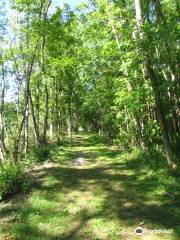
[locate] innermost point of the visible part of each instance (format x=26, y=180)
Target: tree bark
x=2, y=144
x=46, y=94
x=46, y=114
x=36, y=132
x=155, y=86
x=24, y=117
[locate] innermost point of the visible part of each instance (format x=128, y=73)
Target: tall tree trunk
x=155, y=86
x=46, y=94
x=26, y=105
x=1, y=134
x=46, y=114
x=2, y=144
x=26, y=117
x=173, y=68
x=57, y=107
x=70, y=120
x=112, y=25
x=36, y=132
x=37, y=105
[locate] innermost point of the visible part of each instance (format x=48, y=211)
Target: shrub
x=63, y=142
x=13, y=179
x=42, y=153
x=37, y=155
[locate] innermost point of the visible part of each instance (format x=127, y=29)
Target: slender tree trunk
x=25, y=112
x=57, y=114
x=51, y=131
x=17, y=142
x=112, y=25
x=70, y=122
x=46, y=94
x=46, y=114
x=37, y=106
x=1, y=136
x=26, y=119
x=159, y=111
x=36, y=132
x=2, y=144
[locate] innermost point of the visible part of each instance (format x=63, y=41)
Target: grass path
x=90, y=192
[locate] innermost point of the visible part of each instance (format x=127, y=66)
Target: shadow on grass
x=129, y=196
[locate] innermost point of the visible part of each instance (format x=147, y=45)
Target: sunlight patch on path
x=80, y=160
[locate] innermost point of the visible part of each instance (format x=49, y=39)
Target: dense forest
x=105, y=69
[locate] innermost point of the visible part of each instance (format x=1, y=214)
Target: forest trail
x=89, y=192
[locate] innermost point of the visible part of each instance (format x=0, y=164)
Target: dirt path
x=88, y=192
x=80, y=159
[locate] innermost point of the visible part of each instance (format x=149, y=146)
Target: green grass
x=106, y=198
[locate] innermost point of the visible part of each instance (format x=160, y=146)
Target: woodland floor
x=89, y=191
